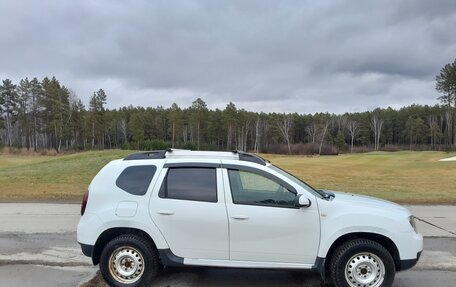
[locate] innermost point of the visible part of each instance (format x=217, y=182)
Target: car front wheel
x=129, y=260
x=362, y=263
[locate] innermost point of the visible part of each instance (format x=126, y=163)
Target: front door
x=264, y=223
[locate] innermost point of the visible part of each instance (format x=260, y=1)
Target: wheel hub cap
x=365, y=270
x=126, y=264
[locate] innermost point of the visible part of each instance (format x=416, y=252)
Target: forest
x=43, y=114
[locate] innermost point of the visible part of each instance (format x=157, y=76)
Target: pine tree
x=56, y=112
x=24, y=98
x=8, y=106
x=230, y=116
x=97, y=114
x=175, y=118
x=199, y=114
x=35, y=108
x=446, y=84
x=136, y=127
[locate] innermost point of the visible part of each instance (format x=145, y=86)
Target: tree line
x=44, y=114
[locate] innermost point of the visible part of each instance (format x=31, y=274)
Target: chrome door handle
x=240, y=217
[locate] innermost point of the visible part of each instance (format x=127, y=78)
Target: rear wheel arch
x=114, y=232
x=386, y=242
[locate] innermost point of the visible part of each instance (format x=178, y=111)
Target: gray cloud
x=297, y=56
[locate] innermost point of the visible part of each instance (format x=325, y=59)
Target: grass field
x=48, y=178
x=403, y=177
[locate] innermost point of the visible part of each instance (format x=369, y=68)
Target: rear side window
x=198, y=184
x=136, y=179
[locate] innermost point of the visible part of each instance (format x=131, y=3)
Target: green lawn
x=48, y=178
x=404, y=177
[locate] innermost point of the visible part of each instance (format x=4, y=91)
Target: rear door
x=189, y=209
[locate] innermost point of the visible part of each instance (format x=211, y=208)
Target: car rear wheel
x=129, y=260
x=362, y=263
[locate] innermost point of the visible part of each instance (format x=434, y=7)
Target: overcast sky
x=283, y=56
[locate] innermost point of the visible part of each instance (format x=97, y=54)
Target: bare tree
x=449, y=122
x=376, y=126
x=185, y=134
x=123, y=130
x=257, y=135
x=325, y=129
x=353, y=129
x=312, y=131
x=285, y=126
x=243, y=135
x=341, y=122
x=433, y=129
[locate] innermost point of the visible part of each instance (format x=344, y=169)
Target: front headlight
x=412, y=222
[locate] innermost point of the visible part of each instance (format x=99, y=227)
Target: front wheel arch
x=381, y=239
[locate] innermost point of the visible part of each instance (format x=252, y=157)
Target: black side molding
x=169, y=259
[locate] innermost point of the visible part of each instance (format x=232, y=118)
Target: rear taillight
x=84, y=202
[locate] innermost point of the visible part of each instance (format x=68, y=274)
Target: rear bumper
x=87, y=249
x=409, y=263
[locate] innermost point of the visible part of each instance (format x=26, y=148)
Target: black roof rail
x=245, y=156
x=154, y=154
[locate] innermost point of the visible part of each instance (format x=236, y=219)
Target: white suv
x=235, y=209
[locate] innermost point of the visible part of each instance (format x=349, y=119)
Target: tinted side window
x=136, y=179
x=190, y=183
x=254, y=189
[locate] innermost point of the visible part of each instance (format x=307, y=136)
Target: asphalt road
x=38, y=248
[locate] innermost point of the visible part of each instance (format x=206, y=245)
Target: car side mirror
x=303, y=201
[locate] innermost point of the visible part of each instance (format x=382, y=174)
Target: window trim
x=163, y=191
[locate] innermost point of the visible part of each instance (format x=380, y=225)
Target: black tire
x=129, y=253
x=362, y=257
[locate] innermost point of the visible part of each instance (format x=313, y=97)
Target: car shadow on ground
x=221, y=277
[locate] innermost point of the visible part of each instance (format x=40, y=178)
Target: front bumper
x=409, y=263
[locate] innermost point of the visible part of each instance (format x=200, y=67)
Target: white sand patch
x=448, y=159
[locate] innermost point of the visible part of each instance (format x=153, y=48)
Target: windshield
x=298, y=181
